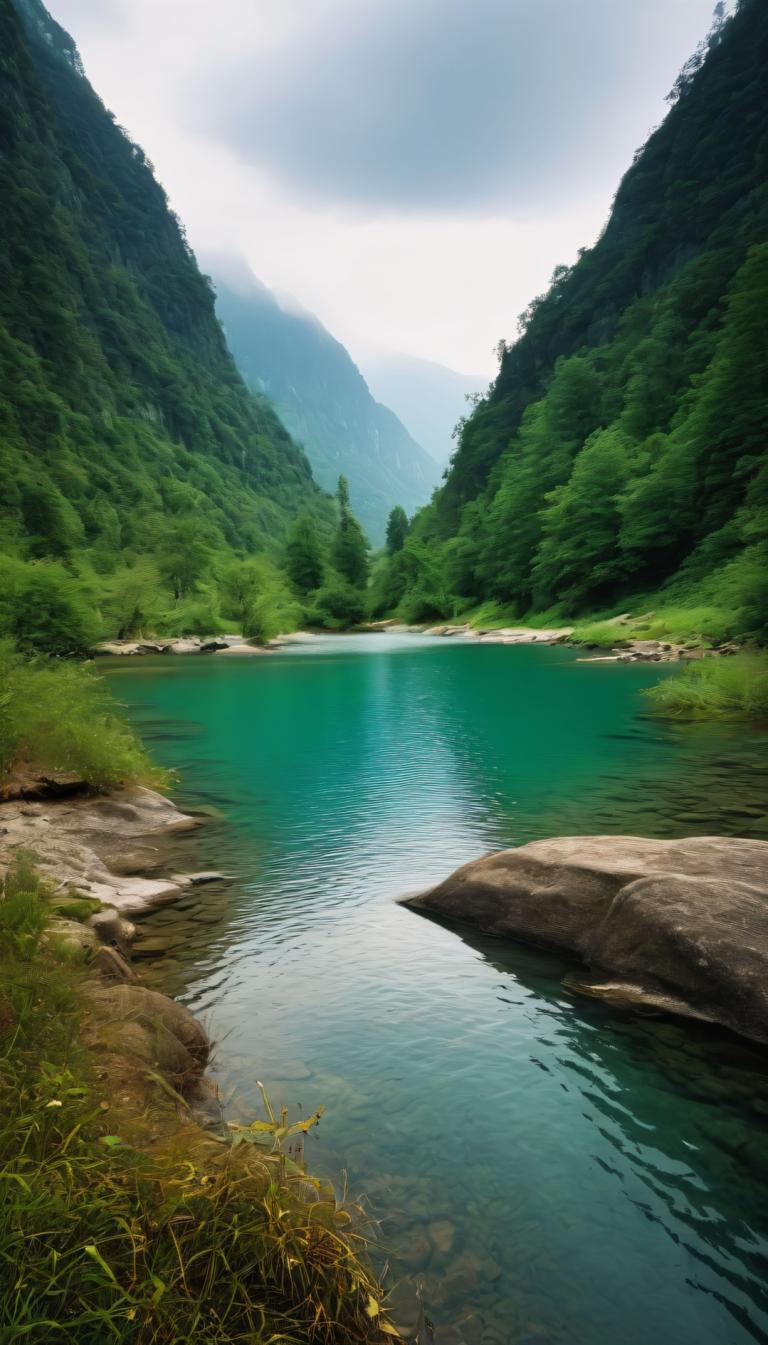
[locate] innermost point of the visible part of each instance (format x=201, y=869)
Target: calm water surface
x=552, y=1171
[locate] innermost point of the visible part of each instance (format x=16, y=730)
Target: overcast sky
x=411, y=170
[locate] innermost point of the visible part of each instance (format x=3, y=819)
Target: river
x=551, y=1170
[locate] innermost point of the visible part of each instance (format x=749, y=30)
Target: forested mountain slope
x=323, y=400
x=623, y=447
x=127, y=437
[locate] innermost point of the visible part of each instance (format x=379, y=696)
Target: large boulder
x=130, y=1020
x=678, y=922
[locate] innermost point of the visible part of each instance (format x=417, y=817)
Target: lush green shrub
x=715, y=688
x=110, y=1240
x=337, y=606
x=46, y=608
x=60, y=716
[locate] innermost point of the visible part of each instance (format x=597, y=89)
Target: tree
x=185, y=555
x=397, y=529
x=350, y=551
x=304, y=555
x=342, y=493
x=132, y=599
x=338, y=605
x=256, y=596
x=48, y=611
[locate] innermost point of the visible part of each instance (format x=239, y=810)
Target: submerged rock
x=678, y=925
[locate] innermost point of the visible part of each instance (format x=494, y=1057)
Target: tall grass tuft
x=60, y=716
x=123, y=1224
x=715, y=688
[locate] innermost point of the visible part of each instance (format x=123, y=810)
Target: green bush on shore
x=715, y=688
x=57, y=715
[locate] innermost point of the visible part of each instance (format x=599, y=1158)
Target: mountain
x=429, y=398
x=622, y=448
x=323, y=399
x=127, y=431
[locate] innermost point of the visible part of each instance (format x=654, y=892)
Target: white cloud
x=439, y=281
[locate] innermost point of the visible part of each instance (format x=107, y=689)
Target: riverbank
x=133, y=1209
x=616, y=640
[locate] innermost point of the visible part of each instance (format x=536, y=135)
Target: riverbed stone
x=442, y=1234
x=414, y=1250
x=680, y=925
x=110, y=965
x=110, y=928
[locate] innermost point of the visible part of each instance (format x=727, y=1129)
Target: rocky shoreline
x=104, y=858
x=196, y=644
x=626, y=649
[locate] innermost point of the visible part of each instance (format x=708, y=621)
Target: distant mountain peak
x=286, y=352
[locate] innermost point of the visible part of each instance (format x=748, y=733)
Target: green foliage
x=304, y=560
x=337, y=605
x=256, y=596
x=132, y=600
x=22, y=914
x=133, y=460
x=350, y=551
x=342, y=493
x=57, y=716
x=397, y=529
x=622, y=448
x=45, y=607
x=715, y=688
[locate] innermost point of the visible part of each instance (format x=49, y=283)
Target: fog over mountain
x=285, y=352
x=429, y=398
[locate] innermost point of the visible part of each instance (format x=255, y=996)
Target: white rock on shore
x=72, y=840
x=187, y=644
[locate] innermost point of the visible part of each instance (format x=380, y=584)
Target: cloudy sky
x=411, y=170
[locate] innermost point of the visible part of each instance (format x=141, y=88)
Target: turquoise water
x=552, y=1171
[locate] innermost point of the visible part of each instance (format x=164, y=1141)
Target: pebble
x=415, y=1250
x=442, y=1235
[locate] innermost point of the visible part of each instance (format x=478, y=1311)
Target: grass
x=57, y=715
x=701, y=626
x=715, y=688
x=105, y=1238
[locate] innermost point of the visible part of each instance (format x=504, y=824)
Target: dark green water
x=595, y=1178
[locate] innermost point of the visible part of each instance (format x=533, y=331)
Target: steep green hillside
x=324, y=400
x=132, y=456
x=622, y=450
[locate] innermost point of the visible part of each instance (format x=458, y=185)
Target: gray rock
x=110, y=965
x=200, y=879
x=111, y=929
x=679, y=925
x=150, y=1026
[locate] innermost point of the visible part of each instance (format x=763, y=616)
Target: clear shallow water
x=594, y=1178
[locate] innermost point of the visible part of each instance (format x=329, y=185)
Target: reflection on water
x=551, y=1170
